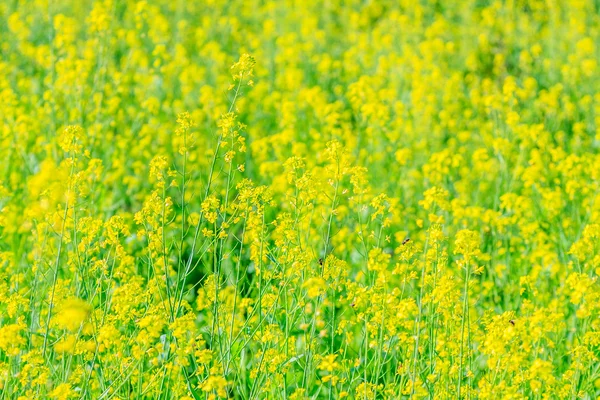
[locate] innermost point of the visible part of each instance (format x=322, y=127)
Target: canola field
x=246, y=199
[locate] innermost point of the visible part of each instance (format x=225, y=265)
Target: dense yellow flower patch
x=299, y=199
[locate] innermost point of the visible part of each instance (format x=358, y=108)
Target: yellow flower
x=11, y=339
x=72, y=314
x=467, y=243
x=62, y=392
x=214, y=383
x=328, y=363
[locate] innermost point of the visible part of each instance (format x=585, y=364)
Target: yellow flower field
x=362, y=199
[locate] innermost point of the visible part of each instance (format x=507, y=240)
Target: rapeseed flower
x=248, y=200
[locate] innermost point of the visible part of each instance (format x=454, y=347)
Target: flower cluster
x=258, y=200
